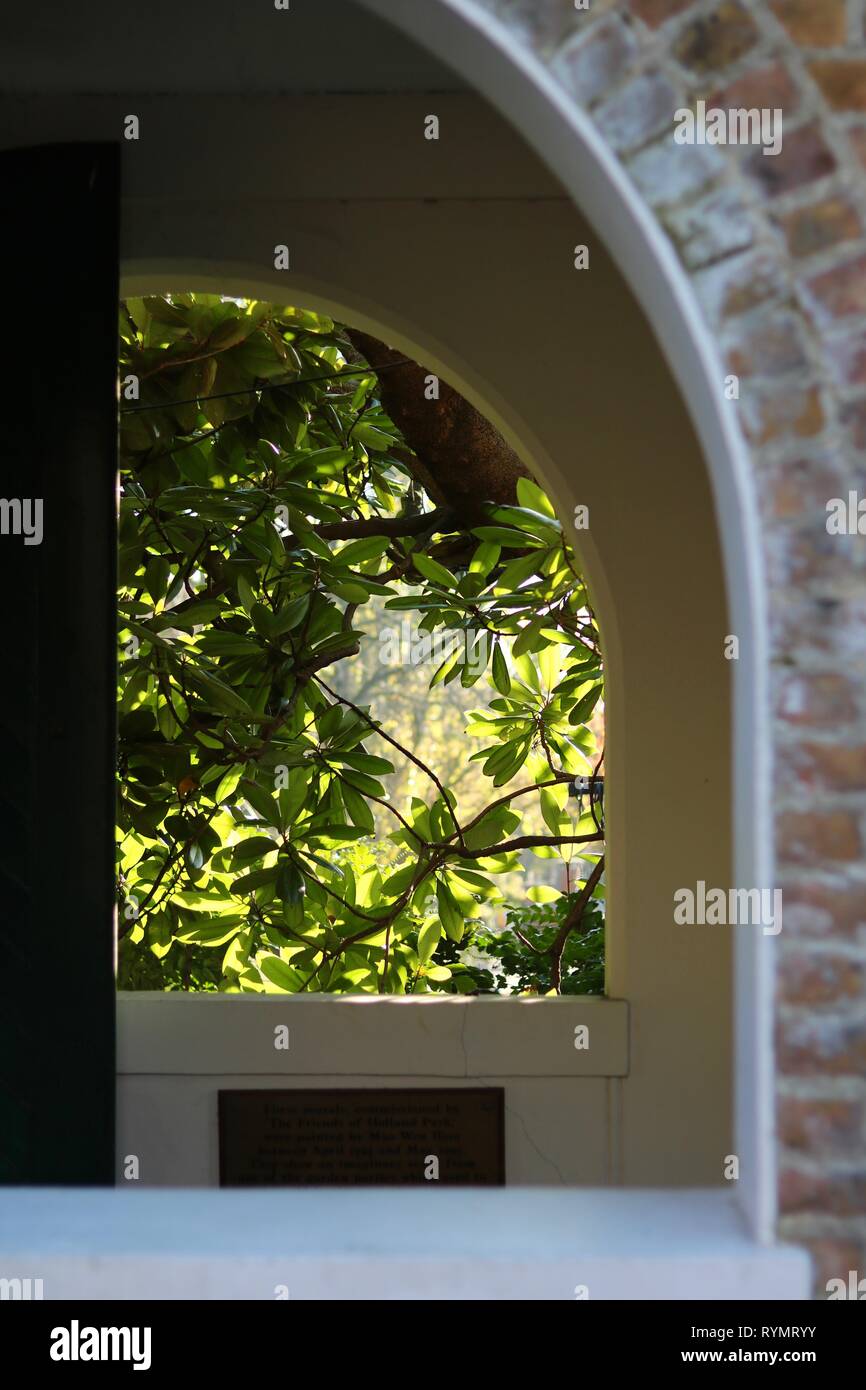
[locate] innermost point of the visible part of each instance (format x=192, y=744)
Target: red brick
x=817, y=978
x=848, y=359
x=770, y=349
x=739, y=284
x=813, y=837
x=764, y=86
x=857, y=141
x=810, y=556
x=716, y=40
x=841, y=291
x=821, y=1046
x=656, y=12
x=843, y=82
x=818, y=1127
x=637, y=111
x=804, y=157
x=823, y=224
x=853, y=416
x=589, y=69
x=787, y=410
x=822, y=911
x=837, y=767
x=825, y=627
x=811, y=24
x=820, y=698
x=831, y=1194
x=802, y=487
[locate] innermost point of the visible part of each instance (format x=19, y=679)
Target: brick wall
x=776, y=250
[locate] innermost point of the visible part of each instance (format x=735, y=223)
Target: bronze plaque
x=361, y=1137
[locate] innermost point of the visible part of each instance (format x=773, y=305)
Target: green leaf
x=290, y=615
x=281, y=974
x=290, y=881
x=367, y=548
x=253, y=848
x=359, y=812
x=156, y=573
x=530, y=495
x=449, y=912
x=216, y=692
x=372, y=438
x=516, y=572
x=501, y=677
x=261, y=801
x=585, y=706
x=431, y=569
x=428, y=939
x=485, y=558
x=228, y=783
x=246, y=595
x=351, y=592
x=212, y=933
x=536, y=523
x=550, y=811
x=504, y=535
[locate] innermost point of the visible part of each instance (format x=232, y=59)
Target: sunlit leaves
x=251, y=797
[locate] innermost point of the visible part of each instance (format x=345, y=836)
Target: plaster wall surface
x=561, y=1102
x=476, y=277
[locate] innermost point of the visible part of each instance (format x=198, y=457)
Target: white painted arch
x=176, y=238
x=435, y=261
x=492, y=60
x=445, y=279
x=445, y=255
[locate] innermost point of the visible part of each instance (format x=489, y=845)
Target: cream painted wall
x=462, y=253
x=175, y=1054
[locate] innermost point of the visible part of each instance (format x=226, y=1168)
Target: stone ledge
x=394, y=1244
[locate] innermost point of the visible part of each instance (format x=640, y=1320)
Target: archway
x=669, y=1119
x=593, y=415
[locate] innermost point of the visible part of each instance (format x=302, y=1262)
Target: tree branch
x=571, y=922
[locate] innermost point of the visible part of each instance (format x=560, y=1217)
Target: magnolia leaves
x=256, y=465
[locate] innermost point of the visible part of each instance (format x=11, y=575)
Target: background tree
x=272, y=516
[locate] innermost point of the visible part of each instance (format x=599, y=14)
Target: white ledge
x=391, y=1244
x=164, y=1034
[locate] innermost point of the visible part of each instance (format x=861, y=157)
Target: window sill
x=392, y=1244
x=365, y=1035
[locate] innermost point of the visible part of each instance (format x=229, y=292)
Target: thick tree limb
x=461, y=460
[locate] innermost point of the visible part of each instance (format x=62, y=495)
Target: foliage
x=266, y=501
x=524, y=949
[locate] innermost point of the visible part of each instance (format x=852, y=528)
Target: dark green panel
x=59, y=233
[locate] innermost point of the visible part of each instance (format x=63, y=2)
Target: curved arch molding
x=492, y=60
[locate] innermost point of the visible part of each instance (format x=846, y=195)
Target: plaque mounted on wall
x=358, y=1137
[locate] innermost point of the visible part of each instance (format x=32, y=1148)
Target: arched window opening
x=361, y=717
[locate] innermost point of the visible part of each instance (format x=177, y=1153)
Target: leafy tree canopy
x=268, y=505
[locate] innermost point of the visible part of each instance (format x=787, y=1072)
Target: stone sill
x=364, y=1035
x=391, y=1244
